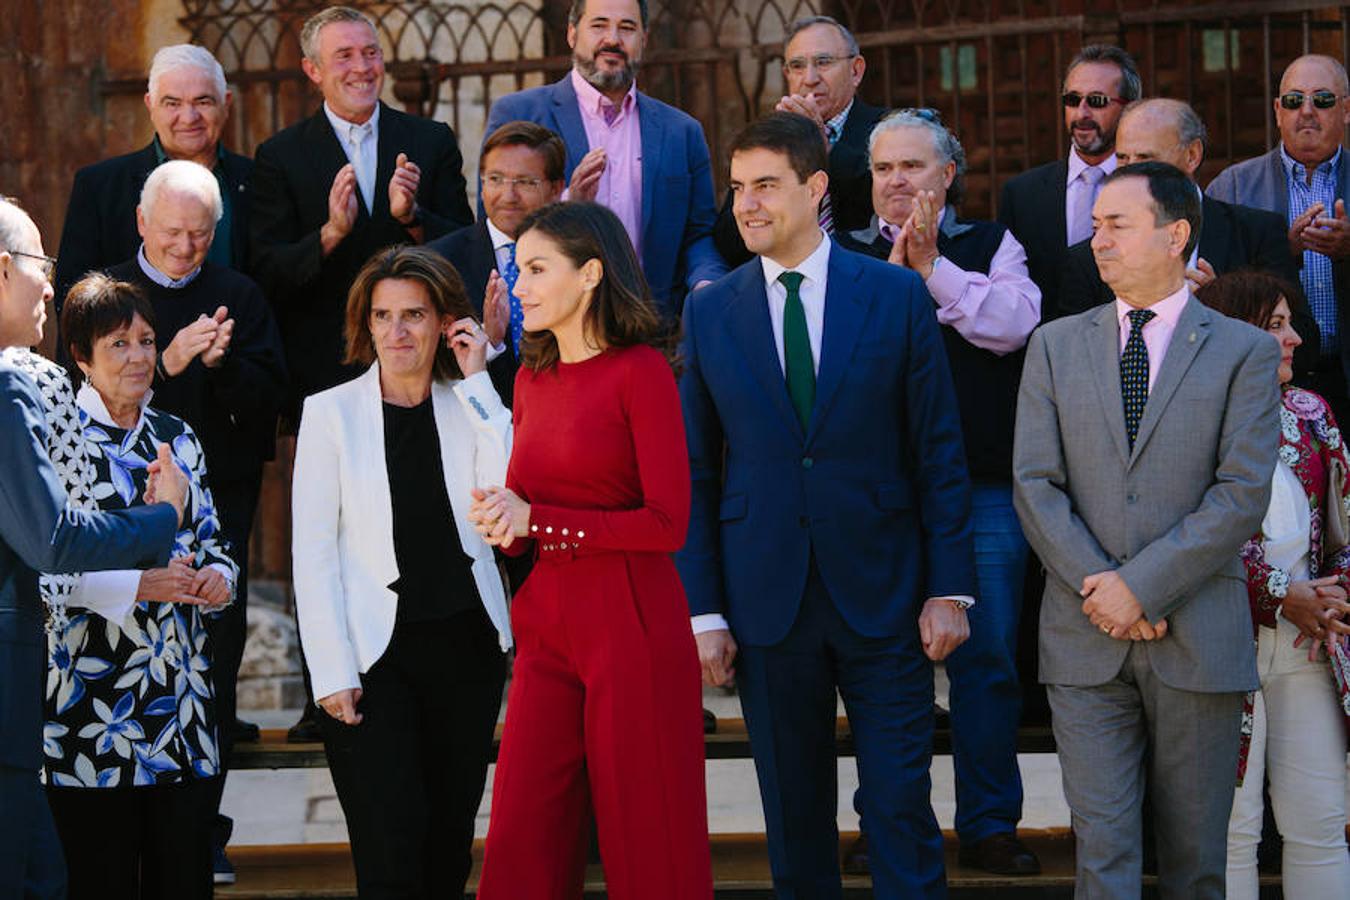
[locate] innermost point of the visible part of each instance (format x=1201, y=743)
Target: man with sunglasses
x=1306, y=179
x=823, y=66
x=1049, y=208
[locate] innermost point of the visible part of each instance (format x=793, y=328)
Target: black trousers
x=236, y=505
x=410, y=776
x=137, y=843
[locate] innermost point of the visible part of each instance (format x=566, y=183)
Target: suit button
x=807, y=462
x=1130, y=498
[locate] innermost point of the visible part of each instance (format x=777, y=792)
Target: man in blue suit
x=646, y=161
x=830, y=531
x=38, y=533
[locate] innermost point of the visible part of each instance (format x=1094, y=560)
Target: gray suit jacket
x=1169, y=516
x=39, y=533
x=1260, y=182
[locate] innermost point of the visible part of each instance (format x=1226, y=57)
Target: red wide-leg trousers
x=604, y=714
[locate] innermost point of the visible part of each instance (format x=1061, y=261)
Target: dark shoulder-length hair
x=1247, y=295
x=622, y=312
x=98, y=305
x=445, y=292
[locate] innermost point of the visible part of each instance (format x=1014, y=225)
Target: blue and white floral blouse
x=130, y=702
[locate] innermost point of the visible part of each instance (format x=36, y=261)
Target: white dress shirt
x=361, y=144
x=814, y=270
x=1288, y=524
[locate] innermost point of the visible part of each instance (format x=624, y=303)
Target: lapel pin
x=1191, y=337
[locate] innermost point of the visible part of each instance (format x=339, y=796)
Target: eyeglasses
x=48, y=262
x=1095, y=100
x=823, y=62
x=1320, y=99
x=522, y=182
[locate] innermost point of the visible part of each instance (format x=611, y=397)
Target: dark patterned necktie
x=1134, y=372
x=798, y=366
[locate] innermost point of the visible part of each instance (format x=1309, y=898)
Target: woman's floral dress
x=131, y=702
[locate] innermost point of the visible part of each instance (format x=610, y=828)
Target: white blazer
x=343, y=526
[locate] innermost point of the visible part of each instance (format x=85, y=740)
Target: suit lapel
x=328, y=155
x=1276, y=187
x=752, y=332
x=391, y=141
x=1216, y=235
x=652, y=126
x=1103, y=340
x=1056, y=191
x=1189, y=336
x=846, y=305
x=567, y=113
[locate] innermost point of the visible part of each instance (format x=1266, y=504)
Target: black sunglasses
x=1095, y=100
x=1320, y=99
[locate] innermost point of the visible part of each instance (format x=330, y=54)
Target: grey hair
x=12, y=219
x=806, y=22
x=185, y=56
x=1190, y=127
x=181, y=176
x=1131, y=88
x=309, y=33
x=946, y=145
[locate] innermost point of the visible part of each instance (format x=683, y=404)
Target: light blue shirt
x=1316, y=275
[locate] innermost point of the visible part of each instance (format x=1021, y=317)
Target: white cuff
x=965, y=601
x=495, y=350
x=111, y=594
x=709, y=622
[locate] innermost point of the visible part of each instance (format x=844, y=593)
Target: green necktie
x=800, y=368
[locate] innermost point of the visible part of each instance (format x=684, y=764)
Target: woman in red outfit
x=604, y=711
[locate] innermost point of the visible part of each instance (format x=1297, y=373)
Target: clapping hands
x=207, y=337
x=916, y=246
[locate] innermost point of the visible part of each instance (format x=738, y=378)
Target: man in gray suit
x=1306, y=179
x=38, y=532
x=1145, y=445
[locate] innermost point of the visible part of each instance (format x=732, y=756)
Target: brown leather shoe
x=856, y=860
x=1001, y=854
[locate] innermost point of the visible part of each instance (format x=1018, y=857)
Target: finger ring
x=1106, y=629
x=919, y=226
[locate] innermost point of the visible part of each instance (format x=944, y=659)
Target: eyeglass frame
x=823, y=62
x=1107, y=99
x=48, y=262
x=927, y=113
x=519, y=182
x=1305, y=97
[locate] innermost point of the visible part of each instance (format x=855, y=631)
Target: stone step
x=740, y=871
x=730, y=741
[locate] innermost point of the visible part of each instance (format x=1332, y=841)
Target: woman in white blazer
x=402, y=610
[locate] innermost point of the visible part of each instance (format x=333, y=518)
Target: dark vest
x=986, y=383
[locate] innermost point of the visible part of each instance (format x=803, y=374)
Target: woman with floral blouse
x=131, y=733
x=1295, y=727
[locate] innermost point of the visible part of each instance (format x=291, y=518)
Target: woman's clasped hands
x=499, y=516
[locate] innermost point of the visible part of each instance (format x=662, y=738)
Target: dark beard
x=606, y=82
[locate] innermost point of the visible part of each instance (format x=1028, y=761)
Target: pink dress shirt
x=1158, y=331
x=995, y=312
x=621, y=182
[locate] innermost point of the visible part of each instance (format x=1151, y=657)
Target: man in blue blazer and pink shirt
x=830, y=545
x=645, y=160
x=40, y=533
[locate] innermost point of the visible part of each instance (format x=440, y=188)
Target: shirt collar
x=889, y=230
x=836, y=125
x=499, y=238
x=343, y=129
x=1295, y=169
x=1167, y=310
x=161, y=157
x=159, y=277
x=813, y=268
x=1077, y=164
x=91, y=402
x=592, y=101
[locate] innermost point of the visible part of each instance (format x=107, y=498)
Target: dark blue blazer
x=876, y=488
x=677, y=246
x=38, y=534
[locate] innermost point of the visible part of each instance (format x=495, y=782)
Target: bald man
x=1231, y=237
x=1305, y=178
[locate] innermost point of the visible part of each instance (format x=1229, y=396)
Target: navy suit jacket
x=38, y=534
x=677, y=246
x=876, y=488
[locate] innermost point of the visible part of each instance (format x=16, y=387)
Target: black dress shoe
x=856, y=861
x=306, y=731
x=245, y=732
x=1001, y=854
x=709, y=722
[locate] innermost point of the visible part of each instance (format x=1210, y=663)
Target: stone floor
x=300, y=806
